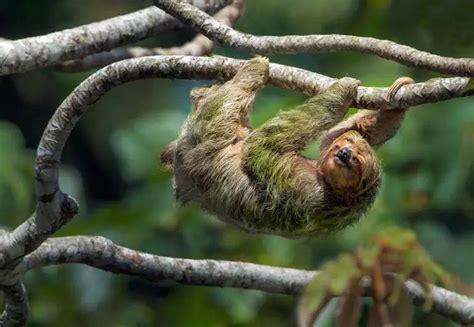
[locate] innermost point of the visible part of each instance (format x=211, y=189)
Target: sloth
x=259, y=180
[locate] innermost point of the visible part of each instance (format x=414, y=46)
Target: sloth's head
x=350, y=165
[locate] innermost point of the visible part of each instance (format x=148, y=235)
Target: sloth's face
x=349, y=164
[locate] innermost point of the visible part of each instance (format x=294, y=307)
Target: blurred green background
x=111, y=165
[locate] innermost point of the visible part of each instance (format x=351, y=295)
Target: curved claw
x=397, y=85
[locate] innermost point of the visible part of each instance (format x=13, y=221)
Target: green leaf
x=334, y=279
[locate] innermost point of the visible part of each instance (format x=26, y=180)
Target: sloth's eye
x=356, y=160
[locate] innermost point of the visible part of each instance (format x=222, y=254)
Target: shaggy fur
x=259, y=180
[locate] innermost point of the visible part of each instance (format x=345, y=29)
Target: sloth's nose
x=344, y=154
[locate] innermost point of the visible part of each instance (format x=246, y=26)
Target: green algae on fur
x=259, y=180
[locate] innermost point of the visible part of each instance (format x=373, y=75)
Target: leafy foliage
x=392, y=257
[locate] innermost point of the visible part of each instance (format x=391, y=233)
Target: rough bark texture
x=199, y=46
x=102, y=253
x=51, y=200
x=83, y=48
x=403, y=54
x=16, y=307
x=55, y=208
x=47, y=50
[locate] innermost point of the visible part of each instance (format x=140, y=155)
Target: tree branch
x=403, y=54
x=16, y=309
x=51, y=49
x=90, y=90
x=199, y=46
x=55, y=208
x=103, y=254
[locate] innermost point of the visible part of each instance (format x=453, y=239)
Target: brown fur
x=259, y=180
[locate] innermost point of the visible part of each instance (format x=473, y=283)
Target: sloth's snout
x=344, y=154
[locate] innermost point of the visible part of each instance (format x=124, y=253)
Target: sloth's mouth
x=341, y=163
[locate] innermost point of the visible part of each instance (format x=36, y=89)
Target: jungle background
x=111, y=163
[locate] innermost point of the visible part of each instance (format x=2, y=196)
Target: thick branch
x=89, y=91
x=54, y=208
x=51, y=49
x=104, y=254
x=52, y=212
x=199, y=46
x=403, y=54
x=16, y=307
